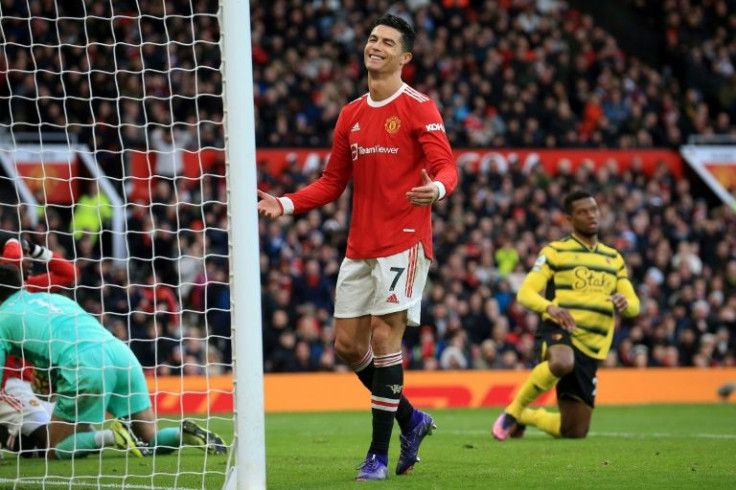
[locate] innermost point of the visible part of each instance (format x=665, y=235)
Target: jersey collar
x=387, y=100
x=586, y=246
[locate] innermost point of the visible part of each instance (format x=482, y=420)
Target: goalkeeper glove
x=37, y=251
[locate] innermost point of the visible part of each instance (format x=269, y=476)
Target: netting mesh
x=111, y=146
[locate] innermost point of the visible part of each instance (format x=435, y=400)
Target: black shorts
x=581, y=383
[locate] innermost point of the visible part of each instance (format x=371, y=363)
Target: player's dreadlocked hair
x=10, y=281
x=408, y=35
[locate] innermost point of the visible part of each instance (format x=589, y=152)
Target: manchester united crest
x=392, y=124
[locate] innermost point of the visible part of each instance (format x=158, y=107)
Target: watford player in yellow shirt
x=578, y=285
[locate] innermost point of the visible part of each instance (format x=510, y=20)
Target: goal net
x=112, y=158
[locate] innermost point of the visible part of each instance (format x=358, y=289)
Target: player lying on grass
x=589, y=284
x=23, y=418
x=93, y=373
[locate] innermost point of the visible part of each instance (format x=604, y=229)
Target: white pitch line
x=623, y=435
x=69, y=483
x=660, y=435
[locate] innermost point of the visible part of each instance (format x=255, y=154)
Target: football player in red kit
x=392, y=143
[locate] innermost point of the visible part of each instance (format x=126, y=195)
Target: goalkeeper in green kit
x=93, y=374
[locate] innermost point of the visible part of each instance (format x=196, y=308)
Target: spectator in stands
x=504, y=80
x=92, y=213
x=168, y=144
x=511, y=70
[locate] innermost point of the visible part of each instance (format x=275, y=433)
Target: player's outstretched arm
x=269, y=206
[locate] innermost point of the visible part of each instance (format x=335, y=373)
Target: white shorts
x=383, y=285
x=21, y=410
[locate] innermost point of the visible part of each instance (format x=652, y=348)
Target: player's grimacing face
x=585, y=217
x=384, y=52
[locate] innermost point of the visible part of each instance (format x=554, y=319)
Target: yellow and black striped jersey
x=581, y=279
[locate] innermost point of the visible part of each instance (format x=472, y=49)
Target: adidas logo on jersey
x=356, y=127
x=392, y=299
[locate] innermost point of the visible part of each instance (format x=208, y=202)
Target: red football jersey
x=384, y=146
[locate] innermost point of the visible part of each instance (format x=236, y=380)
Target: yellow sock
x=549, y=422
x=528, y=417
x=540, y=380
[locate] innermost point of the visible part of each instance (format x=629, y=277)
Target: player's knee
x=561, y=366
x=574, y=427
x=386, y=335
x=380, y=341
x=574, y=432
x=349, y=350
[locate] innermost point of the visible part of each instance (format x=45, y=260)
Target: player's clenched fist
x=619, y=301
x=562, y=317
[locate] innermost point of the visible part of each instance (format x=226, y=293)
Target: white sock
x=105, y=438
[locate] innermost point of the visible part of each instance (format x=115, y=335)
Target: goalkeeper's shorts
x=98, y=379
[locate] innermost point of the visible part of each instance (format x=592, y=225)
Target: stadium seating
x=505, y=74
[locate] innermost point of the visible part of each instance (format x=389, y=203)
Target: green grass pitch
x=654, y=446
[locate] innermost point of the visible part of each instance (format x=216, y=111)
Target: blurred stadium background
x=627, y=99
x=537, y=97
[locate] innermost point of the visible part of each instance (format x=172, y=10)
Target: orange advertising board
x=433, y=389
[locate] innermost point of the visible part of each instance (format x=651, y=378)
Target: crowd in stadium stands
x=138, y=74
x=681, y=254
x=506, y=73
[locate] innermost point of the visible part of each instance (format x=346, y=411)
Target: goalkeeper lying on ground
x=23, y=417
x=93, y=373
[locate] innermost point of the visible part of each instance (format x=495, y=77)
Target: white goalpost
x=127, y=150
x=250, y=470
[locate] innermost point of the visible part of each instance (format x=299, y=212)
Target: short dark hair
x=570, y=199
x=408, y=34
x=10, y=281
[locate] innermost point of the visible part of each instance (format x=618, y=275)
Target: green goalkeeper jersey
x=47, y=329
